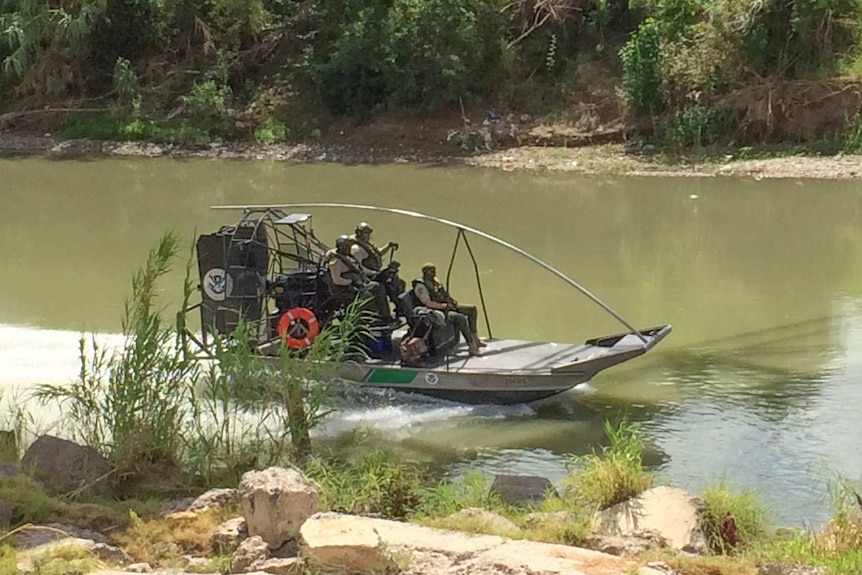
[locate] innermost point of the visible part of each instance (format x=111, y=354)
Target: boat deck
x=512, y=356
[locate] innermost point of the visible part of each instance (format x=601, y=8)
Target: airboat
x=269, y=271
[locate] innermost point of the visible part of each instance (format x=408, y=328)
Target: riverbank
x=544, y=148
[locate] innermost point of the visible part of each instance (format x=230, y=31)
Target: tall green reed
x=130, y=402
x=253, y=411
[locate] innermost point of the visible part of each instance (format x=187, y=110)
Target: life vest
x=351, y=264
x=372, y=261
x=298, y=327
x=438, y=294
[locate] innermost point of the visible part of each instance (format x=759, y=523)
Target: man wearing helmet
x=370, y=259
x=430, y=292
x=349, y=281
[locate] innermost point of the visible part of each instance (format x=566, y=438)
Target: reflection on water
x=762, y=281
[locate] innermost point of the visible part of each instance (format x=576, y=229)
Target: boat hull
x=509, y=371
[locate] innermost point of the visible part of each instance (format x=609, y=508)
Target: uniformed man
x=370, y=259
x=431, y=293
x=350, y=281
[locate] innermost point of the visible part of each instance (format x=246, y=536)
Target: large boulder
x=63, y=466
x=8, y=470
x=275, y=503
x=212, y=499
x=29, y=559
x=344, y=543
x=522, y=489
x=669, y=512
x=34, y=536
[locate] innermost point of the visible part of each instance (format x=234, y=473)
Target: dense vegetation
x=698, y=70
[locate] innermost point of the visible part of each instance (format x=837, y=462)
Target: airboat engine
x=232, y=263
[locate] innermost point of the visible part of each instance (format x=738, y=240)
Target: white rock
x=343, y=542
x=275, y=503
x=668, y=511
x=289, y=566
x=139, y=568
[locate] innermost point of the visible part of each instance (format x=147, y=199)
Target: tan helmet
x=343, y=241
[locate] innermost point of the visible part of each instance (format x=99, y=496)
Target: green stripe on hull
x=391, y=376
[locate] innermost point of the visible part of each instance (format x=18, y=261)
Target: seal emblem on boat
x=279, y=266
x=215, y=284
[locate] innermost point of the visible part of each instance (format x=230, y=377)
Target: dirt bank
x=581, y=154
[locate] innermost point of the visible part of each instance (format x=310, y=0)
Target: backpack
x=414, y=346
x=413, y=351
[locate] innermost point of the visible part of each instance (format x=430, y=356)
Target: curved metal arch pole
x=456, y=225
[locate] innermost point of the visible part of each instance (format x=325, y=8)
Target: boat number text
x=516, y=380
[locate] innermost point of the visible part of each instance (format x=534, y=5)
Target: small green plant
x=600, y=480
x=696, y=126
x=452, y=495
x=270, y=132
x=732, y=521
x=29, y=502
x=127, y=86
x=843, y=532
x=853, y=133
x=8, y=559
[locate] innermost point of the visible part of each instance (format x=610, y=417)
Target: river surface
x=760, y=382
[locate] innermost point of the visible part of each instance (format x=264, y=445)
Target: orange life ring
x=298, y=327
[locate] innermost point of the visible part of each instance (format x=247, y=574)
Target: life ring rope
x=298, y=318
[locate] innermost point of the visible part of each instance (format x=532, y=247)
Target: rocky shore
x=537, y=147
x=273, y=523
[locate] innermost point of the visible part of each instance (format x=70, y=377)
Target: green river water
x=759, y=383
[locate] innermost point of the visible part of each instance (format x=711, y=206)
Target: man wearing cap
x=431, y=293
x=371, y=260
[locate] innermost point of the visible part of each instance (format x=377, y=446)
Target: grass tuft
x=163, y=541
x=616, y=474
x=720, y=503
x=376, y=483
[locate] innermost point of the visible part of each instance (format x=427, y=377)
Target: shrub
x=748, y=527
x=422, y=55
x=270, y=132
x=206, y=102
x=616, y=474
x=436, y=51
x=126, y=85
x=641, y=63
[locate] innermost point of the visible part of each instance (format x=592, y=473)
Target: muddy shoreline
x=594, y=159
